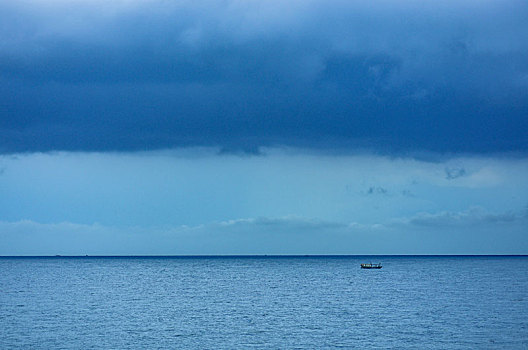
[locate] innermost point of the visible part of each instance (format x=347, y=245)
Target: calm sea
x=264, y=303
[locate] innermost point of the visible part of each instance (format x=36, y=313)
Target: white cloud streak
x=284, y=235
x=471, y=218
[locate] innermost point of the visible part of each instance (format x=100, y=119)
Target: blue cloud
x=330, y=75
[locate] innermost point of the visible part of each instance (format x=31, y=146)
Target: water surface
x=264, y=303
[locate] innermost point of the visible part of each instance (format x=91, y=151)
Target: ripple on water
x=301, y=303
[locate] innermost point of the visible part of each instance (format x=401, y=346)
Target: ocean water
x=264, y=303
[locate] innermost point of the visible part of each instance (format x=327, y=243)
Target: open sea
x=327, y=302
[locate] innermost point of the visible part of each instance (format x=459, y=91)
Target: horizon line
x=262, y=255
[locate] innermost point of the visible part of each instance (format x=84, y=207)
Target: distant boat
x=371, y=266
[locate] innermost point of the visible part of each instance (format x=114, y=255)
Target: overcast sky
x=263, y=127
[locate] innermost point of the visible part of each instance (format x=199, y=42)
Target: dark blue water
x=264, y=303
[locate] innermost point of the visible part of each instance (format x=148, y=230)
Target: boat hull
x=371, y=266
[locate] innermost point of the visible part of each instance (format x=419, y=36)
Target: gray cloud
x=476, y=231
x=377, y=190
x=453, y=173
x=470, y=218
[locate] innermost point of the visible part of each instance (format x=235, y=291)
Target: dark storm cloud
x=394, y=77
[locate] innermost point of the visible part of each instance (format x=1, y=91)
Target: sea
x=264, y=302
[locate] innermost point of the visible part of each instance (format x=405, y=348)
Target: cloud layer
x=396, y=77
x=474, y=231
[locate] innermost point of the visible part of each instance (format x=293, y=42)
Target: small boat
x=371, y=266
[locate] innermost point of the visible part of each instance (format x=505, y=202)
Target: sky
x=159, y=127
